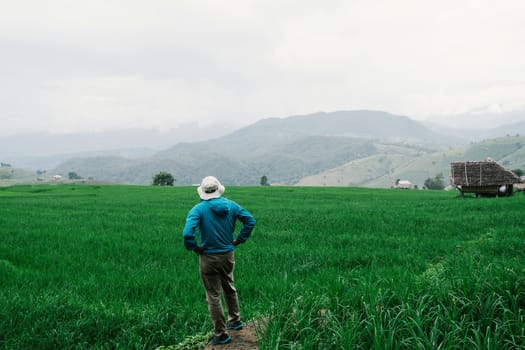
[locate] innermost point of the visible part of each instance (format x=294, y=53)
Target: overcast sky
x=98, y=64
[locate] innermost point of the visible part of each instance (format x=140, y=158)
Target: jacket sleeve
x=248, y=223
x=192, y=221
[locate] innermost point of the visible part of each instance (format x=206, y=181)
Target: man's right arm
x=192, y=221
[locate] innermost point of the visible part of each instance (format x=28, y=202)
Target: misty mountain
x=479, y=120
x=273, y=135
x=367, y=124
x=514, y=129
x=476, y=135
x=46, y=150
x=285, y=150
x=364, y=148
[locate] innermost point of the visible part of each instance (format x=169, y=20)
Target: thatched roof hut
x=484, y=173
x=483, y=178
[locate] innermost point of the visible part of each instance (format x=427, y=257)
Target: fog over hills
x=46, y=150
x=479, y=120
x=479, y=134
x=365, y=148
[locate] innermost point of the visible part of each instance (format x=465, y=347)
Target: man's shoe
x=224, y=338
x=236, y=326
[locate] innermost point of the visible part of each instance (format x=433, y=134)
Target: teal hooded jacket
x=214, y=220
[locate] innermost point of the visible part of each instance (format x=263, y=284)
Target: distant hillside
x=367, y=124
x=477, y=135
x=383, y=170
x=263, y=136
x=514, y=129
x=281, y=163
x=357, y=148
x=285, y=150
x=11, y=176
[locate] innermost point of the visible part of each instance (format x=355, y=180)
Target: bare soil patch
x=244, y=339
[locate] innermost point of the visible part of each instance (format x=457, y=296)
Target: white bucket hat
x=210, y=188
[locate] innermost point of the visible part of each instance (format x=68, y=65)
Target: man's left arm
x=248, y=223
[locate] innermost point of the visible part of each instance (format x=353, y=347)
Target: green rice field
x=104, y=267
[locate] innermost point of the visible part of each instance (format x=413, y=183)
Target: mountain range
x=365, y=148
x=344, y=148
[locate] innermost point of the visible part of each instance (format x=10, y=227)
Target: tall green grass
x=103, y=267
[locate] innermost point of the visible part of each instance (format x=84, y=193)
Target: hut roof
x=483, y=173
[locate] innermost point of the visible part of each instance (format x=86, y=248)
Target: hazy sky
x=87, y=65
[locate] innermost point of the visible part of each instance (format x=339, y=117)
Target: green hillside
x=387, y=158
x=285, y=150
x=309, y=161
x=383, y=170
x=346, y=148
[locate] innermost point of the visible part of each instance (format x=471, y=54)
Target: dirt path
x=244, y=339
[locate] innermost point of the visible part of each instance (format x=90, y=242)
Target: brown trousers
x=216, y=272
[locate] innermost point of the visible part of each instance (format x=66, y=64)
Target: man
x=214, y=218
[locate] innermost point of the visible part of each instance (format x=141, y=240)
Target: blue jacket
x=215, y=220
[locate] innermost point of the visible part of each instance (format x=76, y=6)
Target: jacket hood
x=219, y=206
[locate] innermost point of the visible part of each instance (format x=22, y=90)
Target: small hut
x=484, y=178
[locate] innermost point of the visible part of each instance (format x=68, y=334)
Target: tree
x=163, y=179
x=435, y=183
x=518, y=172
x=264, y=181
x=73, y=176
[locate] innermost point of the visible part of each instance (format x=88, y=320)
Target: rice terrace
x=103, y=267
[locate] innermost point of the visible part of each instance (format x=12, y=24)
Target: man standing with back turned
x=214, y=218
